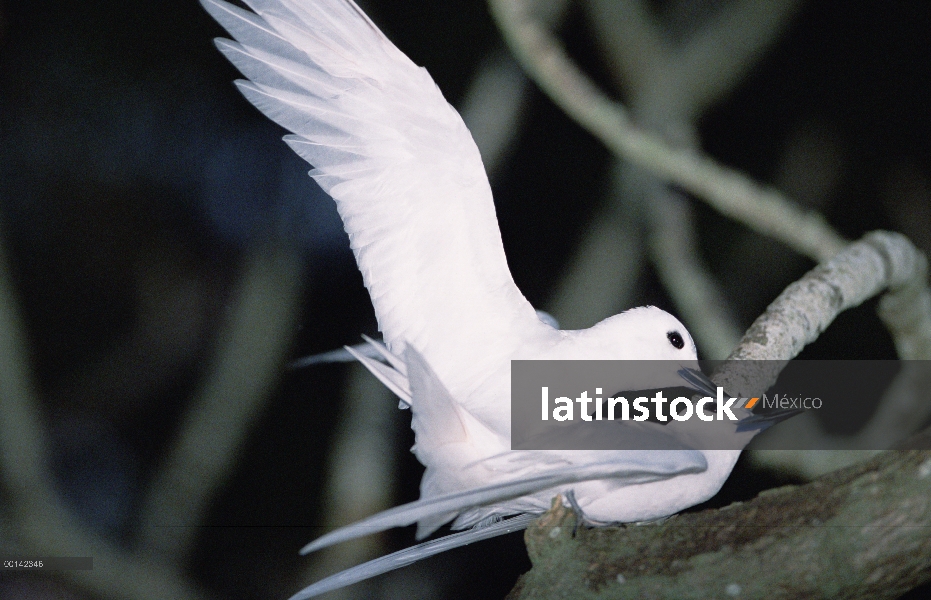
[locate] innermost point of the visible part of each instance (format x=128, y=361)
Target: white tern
x=414, y=198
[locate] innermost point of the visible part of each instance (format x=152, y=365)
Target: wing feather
x=392, y=379
x=248, y=29
x=406, y=175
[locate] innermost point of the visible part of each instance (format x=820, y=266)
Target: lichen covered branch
x=880, y=261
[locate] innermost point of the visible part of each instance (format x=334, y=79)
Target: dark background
x=129, y=163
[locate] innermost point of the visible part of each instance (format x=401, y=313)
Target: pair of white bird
x=410, y=187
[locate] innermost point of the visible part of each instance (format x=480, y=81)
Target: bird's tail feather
x=405, y=557
x=631, y=467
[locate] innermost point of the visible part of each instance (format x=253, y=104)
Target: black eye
x=675, y=338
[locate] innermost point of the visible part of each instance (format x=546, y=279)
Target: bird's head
x=645, y=333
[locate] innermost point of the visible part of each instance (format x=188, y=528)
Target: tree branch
x=251, y=350
x=829, y=538
x=40, y=524
x=762, y=209
x=720, y=53
x=637, y=48
x=881, y=260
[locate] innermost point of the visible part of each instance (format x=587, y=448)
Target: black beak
x=699, y=382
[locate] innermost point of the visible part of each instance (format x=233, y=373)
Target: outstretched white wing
x=405, y=173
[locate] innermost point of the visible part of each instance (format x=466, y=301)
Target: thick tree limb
x=861, y=532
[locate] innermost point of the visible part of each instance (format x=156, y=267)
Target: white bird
x=410, y=187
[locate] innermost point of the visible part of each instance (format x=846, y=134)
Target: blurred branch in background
x=809, y=169
x=601, y=276
x=906, y=194
x=494, y=107
x=38, y=521
x=361, y=474
x=251, y=349
x=673, y=247
x=733, y=194
x=660, y=80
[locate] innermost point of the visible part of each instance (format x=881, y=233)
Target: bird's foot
x=580, y=519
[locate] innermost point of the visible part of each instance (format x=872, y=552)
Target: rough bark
x=831, y=538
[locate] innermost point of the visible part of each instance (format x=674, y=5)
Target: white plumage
x=410, y=187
